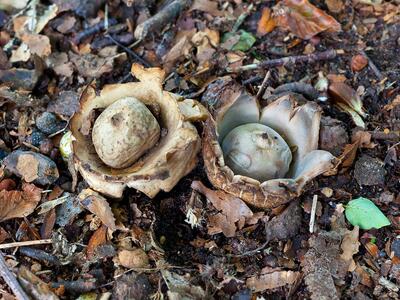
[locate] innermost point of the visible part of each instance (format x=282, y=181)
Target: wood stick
x=26, y=243
x=313, y=212
x=373, y=67
x=161, y=19
x=10, y=279
x=284, y=61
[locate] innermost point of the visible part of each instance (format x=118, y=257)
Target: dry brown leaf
x=393, y=104
x=22, y=53
x=335, y=6
x=136, y=258
x=271, y=280
x=363, y=138
x=341, y=93
x=18, y=204
x=207, y=6
x=348, y=156
x=178, y=51
x=98, y=238
x=99, y=206
x=38, y=44
x=358, y=62
x=350, y=246
x=93, y=66
x=303, y=19
x=233, y=212
x=266, y=23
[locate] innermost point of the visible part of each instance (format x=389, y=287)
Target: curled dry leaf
x=233, y=212
x=266, y=23
x=350, y=246
x=18, y=204
x=347, y=99
x=272, y=280
x=99, y=206
x=135, y=258
x=98, y=238
x=93, y=66
x=303, y=19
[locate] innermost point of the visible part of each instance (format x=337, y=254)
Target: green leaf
x=245, y=42
x=365, y=214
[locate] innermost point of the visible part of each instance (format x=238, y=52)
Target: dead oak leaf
x=99, y=206
x=207, y=6
x=303, y=19
x=98, y=238
x=233, y=212
x=350, y=246
x=18, y=204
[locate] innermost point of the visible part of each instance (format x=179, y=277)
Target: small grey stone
x=48, y=123
x=332, y=135
x=22, y=164
x=369, y=171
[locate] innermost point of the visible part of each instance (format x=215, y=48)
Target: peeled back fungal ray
x=263, y=155
x=143, y=137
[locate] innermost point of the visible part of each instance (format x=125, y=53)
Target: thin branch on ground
x=11, y=281
x=285, y=61
x=25, y=243
x=313, y=212
x=263, y=85
x=129, y=51
x=373, y=67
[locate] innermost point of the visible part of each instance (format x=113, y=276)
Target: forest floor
x=52, y=50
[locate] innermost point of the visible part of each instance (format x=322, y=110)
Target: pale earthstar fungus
x=263, y=155
x=143, y=137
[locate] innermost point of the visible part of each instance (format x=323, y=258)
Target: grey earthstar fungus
x=263, y=155
x=135, y=135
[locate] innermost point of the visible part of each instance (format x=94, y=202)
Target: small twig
x=242, y=17
x=10, y=279
x=93, y=30
x=263, y=85
x=313, y=211
x=161, y=19
x=40, y=255
x=129, y=51
x=284, y=61
x=373, y=67
x=381, y=135
x=252, y=79
x=26, y=243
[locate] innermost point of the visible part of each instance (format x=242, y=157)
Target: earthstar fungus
x=263, y=155
x=143, y=137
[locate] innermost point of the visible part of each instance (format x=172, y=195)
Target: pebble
x=36, y=138
x=3, y=154
x=32, y=167
x=396, y=247
x=332, y=136
x=369, y=171
x=48, y=123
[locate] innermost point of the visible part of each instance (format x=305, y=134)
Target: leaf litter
x=52, y=50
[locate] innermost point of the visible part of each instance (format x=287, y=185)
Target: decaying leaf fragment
x=97, y=205
x=271, y=279
x=233, y=212
x=18, y=204
x=160, y=168
x=347, y=100
x=303, y=19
